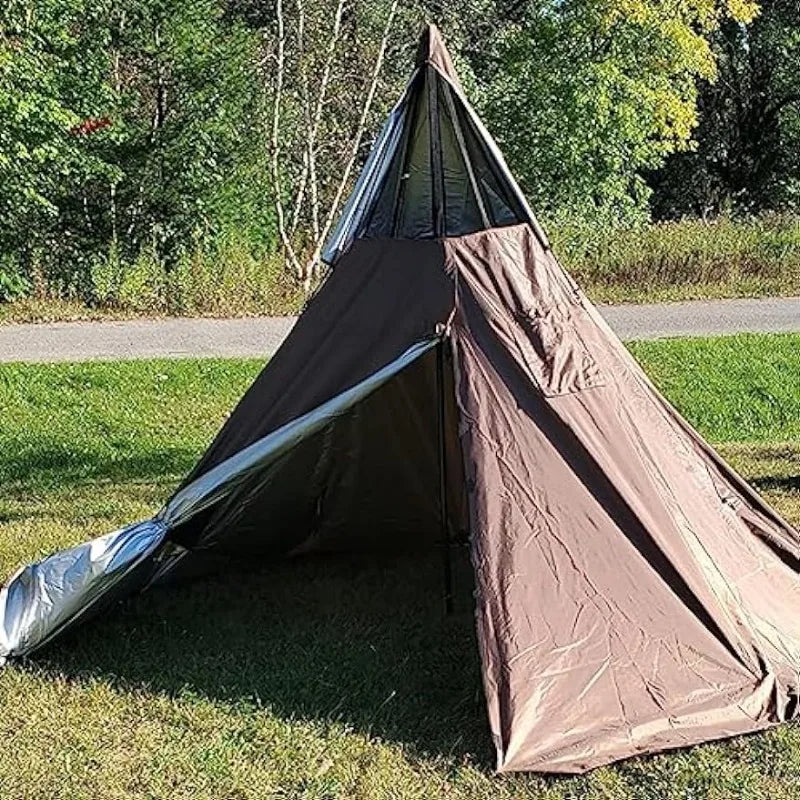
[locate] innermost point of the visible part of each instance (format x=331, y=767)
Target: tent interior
x=474, y=193
x=434, y=170
x=369, y=480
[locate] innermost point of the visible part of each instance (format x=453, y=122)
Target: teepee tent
x=633, y=594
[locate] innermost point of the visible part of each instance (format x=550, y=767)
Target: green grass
x=330, y=678
x=735, y=388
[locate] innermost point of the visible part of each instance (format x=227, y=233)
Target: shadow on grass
x=786, y=483
x=361, y=641
x=63, y=464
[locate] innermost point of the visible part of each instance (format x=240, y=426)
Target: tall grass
x=687, y=259
x=230, y=278
x=226, y=281
x=727, y=257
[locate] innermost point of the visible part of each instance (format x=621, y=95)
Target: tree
x=53, y=93
x=158, y=126
x=187, y=100
x=584, y=94
x=326, y=83
x=747, y=146
x=125, y=125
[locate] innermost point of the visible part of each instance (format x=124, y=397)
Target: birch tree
x=325, y=87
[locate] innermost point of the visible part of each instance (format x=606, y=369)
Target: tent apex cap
x=433, y=50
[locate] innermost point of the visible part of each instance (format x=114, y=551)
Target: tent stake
x=443, y=513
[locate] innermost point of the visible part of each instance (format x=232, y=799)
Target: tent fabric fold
x=632, y=593
x=41, y=600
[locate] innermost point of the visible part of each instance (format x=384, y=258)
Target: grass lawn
x=337, y=678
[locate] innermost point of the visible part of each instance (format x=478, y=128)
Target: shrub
x=13, y=284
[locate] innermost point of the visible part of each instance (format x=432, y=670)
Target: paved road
x=76, y=341
x=705, y=318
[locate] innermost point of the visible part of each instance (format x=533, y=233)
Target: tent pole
x=443, y=512
x=462, y=146
x=437, y=168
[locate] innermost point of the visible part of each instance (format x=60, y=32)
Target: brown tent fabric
x=376, y=467
x=633, y=594
x=382, y=296
x=432, y=50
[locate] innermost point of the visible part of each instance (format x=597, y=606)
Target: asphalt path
x=260, y=336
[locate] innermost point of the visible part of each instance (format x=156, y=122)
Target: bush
x=13, y=284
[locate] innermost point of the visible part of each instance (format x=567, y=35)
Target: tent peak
x=433, y=50
x=434, y=171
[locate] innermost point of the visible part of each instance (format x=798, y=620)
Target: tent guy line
x=260, y=337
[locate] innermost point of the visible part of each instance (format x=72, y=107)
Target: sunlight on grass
x=735, y=388
x=322, y=678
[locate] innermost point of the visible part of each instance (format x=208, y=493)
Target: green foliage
x=128, y=126
x=225, y=278
x=12, y=283
x=136, y=143
x=585, y=95
x=729, y=257
x=191, y=152
x=52, y=75
x=746, y=154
